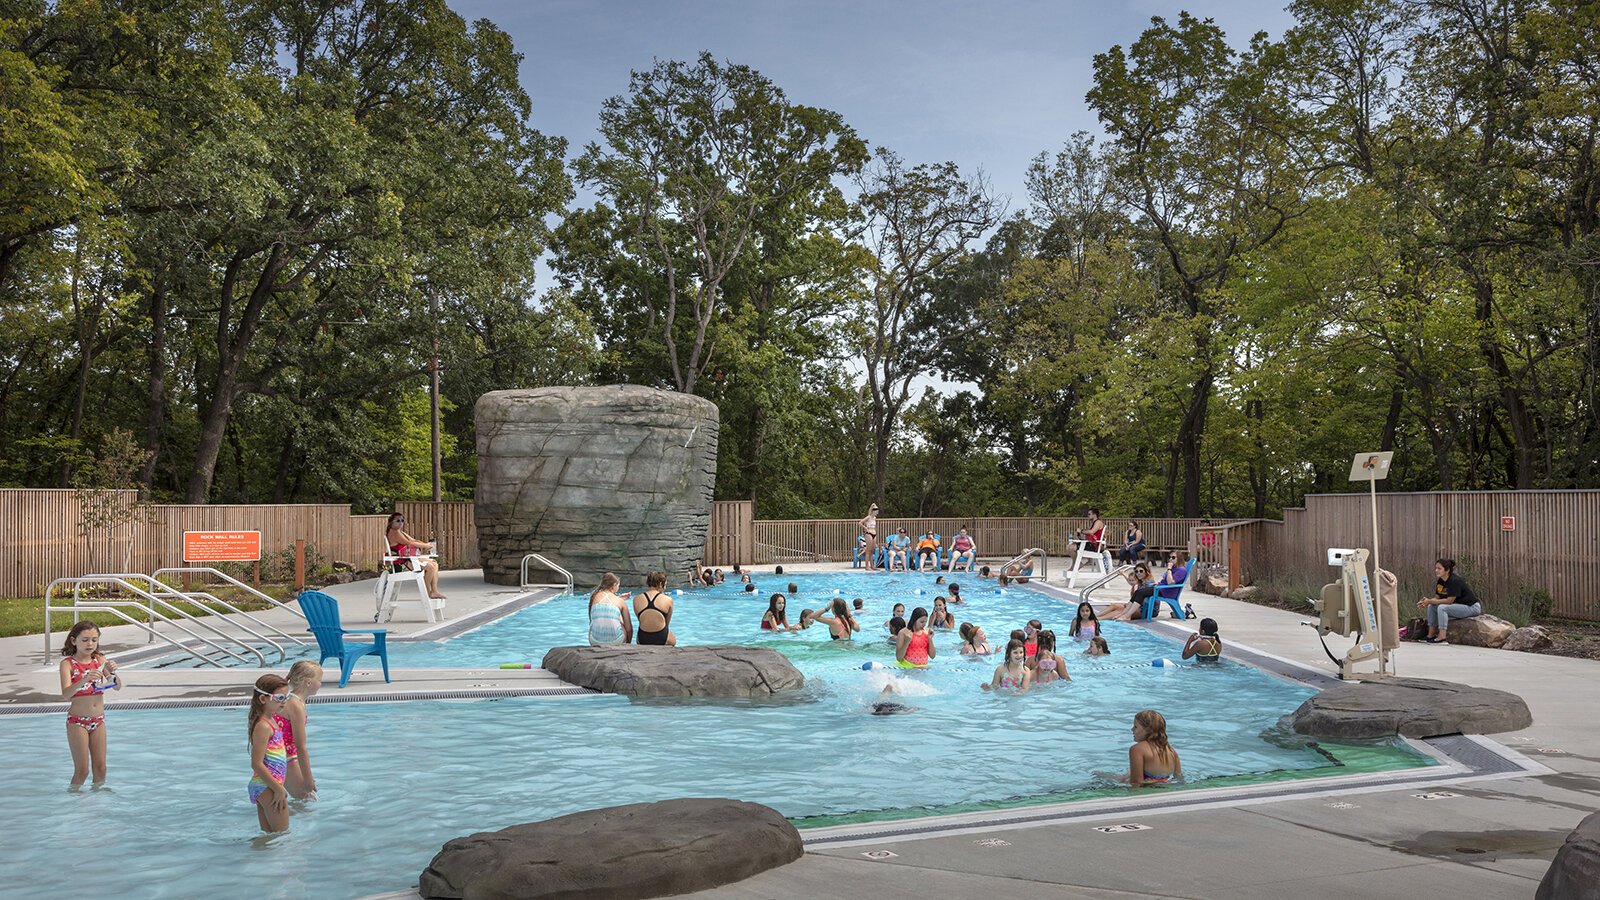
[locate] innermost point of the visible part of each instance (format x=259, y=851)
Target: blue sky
x=986, y=85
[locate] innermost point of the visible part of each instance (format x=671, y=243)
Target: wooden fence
x=1553, y=542
x=47, y=542
x=801, y=540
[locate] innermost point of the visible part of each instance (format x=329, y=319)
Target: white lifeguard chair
x=390, y=581
x=1089, y=551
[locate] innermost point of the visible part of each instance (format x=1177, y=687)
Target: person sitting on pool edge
x=609, y=622
x=653, y=609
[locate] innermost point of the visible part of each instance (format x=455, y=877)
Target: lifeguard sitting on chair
x=404, y=545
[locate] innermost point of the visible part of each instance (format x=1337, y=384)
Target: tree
x=694, y=156
x=1206, y=162
x=919, y=222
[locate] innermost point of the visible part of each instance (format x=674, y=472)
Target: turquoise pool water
x=399, y=779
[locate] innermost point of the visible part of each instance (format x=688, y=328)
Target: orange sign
x=230, y=546
x=1508, y=523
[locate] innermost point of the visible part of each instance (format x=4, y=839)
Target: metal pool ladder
x=1044, y=563
x=544, y=560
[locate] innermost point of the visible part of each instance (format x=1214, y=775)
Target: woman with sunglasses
x=402, y=544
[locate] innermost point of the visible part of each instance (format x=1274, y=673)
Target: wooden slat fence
x=1554, y=546
x=799, y=540
x=729, y=537
x=46, y=542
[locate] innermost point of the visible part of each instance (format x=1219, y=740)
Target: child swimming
x=1085, y=625
x=1048, y=666
x=269, y=761
x=1097, y=647
x=899, y=612
x=1013, y=673
x=941, y=617
x=1151, y=760
x=914, y=646
x=976, y=642
x=86, y=674
x=775, y=619
x=1204, y=645
x=305, y=679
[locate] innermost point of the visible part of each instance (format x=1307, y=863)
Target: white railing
x=147, y=603
x=532, y=557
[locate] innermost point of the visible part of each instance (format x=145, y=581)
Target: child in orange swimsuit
x=85, y=675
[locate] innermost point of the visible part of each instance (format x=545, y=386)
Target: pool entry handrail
x=1104, y=580
x=1044, y=562
x=205, y=600
x=545, y=561
x=207, y=570
x=147, y=605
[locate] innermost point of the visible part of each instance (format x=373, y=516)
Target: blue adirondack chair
x=1170, y=594
x=322, y=612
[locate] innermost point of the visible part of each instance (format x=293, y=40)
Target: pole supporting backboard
x=1372, y=468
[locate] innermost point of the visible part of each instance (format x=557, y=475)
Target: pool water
x=399, y=779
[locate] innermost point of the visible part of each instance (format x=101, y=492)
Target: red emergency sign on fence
x=217, y=546
x=1508, y=523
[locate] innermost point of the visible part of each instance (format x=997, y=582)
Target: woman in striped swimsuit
x=609, y=622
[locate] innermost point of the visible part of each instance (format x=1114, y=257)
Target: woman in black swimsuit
x=653, y=609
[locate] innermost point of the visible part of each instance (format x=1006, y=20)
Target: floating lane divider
x=1154, y=663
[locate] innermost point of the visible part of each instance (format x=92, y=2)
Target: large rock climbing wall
x=599, y=479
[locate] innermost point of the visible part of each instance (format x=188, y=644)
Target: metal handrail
x=523, y=580
x=111, y=606
x=79, y=581
x=202, y=598
x=1044, y=562
x=196, y=596
x=1083, y=597
x=207, y=570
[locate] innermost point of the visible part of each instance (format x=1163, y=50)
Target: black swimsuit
x=659, y=637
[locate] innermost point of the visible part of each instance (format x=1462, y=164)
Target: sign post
x=1372, y=468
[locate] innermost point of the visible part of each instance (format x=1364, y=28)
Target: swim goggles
x=276, y=698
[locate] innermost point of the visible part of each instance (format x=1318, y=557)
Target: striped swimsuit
x=277, y=760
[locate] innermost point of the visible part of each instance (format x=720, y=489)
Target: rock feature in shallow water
x=598, y=479
x=675, y=671
x=1410, y=707
x=1575, y=872
x=623, y=852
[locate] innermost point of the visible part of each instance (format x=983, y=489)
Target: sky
x=985, y=85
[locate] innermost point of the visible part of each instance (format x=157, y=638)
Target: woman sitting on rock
x=1451, y=599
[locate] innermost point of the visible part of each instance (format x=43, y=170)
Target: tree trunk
x=157, y=414
x=231, y=349
x=1190, y=433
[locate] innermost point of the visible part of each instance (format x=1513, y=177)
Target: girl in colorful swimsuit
x=1205, y=644
x=85, y=675
x=1151, y=760
x=914, y=645
x=269, y=761
x=1014, y=672
x=1047, y=665
x=305, y=679
x=941, y=617
x=1085, y=626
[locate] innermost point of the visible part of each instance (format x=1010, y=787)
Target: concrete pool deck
x=1472, y=839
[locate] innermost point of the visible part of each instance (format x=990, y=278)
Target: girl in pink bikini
x=85, y=675
x=1014, y=672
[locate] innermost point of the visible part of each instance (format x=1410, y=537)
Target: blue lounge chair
x=1170, y=594
x=322, y=612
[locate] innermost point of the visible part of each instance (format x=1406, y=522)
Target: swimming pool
x=399, y=779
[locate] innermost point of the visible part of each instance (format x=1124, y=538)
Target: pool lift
x=1348, y=607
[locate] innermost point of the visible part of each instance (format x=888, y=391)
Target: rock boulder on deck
x=619, y=853
x=1411, y=707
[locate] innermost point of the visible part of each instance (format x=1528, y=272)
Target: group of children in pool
x=280, y=763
